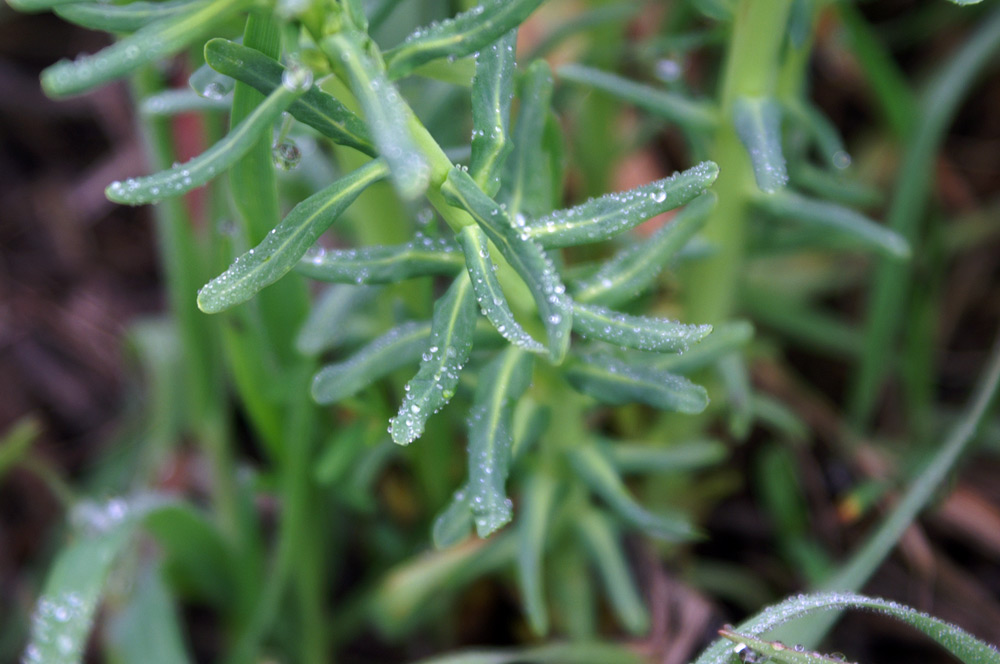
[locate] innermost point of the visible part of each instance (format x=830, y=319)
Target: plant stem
x=751, y=70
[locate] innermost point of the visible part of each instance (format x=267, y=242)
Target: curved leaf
x=758, y=124
x=385, y=264
x=603, y=218
x=526, y=257
x=452, y=327
x=155, y=41
x=458, y=36
x=214, y=161
x=282, y=248
x=316, y=108
x=489, y=293
x=492, y=92
x=395, y=349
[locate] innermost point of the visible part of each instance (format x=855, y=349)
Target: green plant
x=465, y=264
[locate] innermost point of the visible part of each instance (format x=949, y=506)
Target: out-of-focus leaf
x=532, y=533
x=725, y=339
x=146, y=629
x=758, y=123
x=122, y=18
x=327, y=323
x=685, y=457
x=616, y=382
x=454, y=523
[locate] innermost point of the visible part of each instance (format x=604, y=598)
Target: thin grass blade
x=452, y=328
x=396, y=348
x=287, y=242
x=459, y=36
x=316, y=108
x=603, y=218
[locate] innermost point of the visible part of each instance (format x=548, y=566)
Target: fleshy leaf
x=282, y=248
x=636, y=267
x=396, y=348
x=963, y=645
x=869, y=234
x=459, y=36
x=454, y=523
x=603, y=218
x=383, y=264
x=601, y=541
x=122, y=18
x=316, y=108
x=492, y=92
x=386, y=113
x=452, y=327
x=758, y=123
x=532, y=532
x=688, y=113
x=214, y=161
x=488, y=292
x=600, y=475
x=326, y=324
x=616, y=382
x=501, y=382
x=152, y=42
x=640, y=332
x=526, y=257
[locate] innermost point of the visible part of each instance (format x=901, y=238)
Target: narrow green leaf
x=823, y=132
x=532, y=533
x=316, y=108
x=452, y=327
x=725, y=339
x=395, y=349
x=758, y=124
x=65, y=611
x=596, y=470
x=214, y=161
x=211, y=84
x=526, y=178
x=122, y=18
x=792, y=206
x=386, y=113
x=391, y=264
x=152, y=42
x=640, y=332
x=527, y=258
x=488, y=292
x=963, y=645
x=454, y=523
x=530, y=422
x=174, y=102
x=616, y=382
x=326, y=325
x=282, y=248
x=602, y=218
x=834, y=187
x=636, y=267
x=601, y=541
x=652, y=457
x=690, y=114
x=146, y=629
x=748, y=647
x=800, y=322
x=15, y=442
x=492, y=92
x=459, y=36
x=501, y=382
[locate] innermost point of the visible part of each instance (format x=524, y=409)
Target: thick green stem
x=752, y=67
